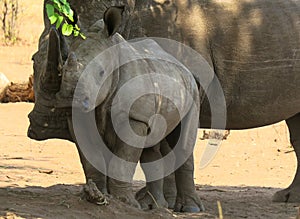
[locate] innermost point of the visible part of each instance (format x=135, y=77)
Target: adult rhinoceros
x=253, y=47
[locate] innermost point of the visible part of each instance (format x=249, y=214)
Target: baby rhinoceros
x=117, y=101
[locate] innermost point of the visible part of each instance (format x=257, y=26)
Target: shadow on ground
x=64, y=201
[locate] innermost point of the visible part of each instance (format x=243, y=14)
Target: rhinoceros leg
x=152, y=195
x=169, y=185
x=292, y=193
x=187, y=199
x=95, y=180
x=170, y=191
x=123, y=189
x=91, y=173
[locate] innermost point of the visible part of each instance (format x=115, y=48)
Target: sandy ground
x=44, y=179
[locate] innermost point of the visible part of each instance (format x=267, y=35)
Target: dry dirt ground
x=44, y=179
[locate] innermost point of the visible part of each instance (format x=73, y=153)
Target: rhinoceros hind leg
x=148, y=201
x=170, y=190
x=187, y=198
x=153, y=196
x=292, y=193
x=169, y=185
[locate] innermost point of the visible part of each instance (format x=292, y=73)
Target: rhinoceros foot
x=170, y=190
x=171, y=201
x=291, y=194
x=92, y=194
x=127, y=197
x=123, y=192
x=148, y=201
x=189, y=203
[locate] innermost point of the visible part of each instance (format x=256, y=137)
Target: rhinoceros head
x=57, y=67
x=47, y=121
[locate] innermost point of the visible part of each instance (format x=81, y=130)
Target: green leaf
x=82, y=36
x=67, y=7
x=76, y=27
x=71, y=14
x=57, y=4
x=57, y=7
x=58, y=12
x=67, y=29
x=70, y=18
x=63, y=1
x=59, y=21
x=53, y=18
x=68, y=12
x=49, y=10
x=75, y=33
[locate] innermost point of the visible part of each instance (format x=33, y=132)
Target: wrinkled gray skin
x=56, y=78
x=253, y=46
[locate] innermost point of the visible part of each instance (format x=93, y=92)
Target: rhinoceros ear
x=112, y=18
x=51, y=78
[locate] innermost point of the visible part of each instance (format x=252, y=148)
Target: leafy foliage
x=60, y=13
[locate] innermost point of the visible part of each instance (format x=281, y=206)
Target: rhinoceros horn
x=69, y=80
x=51, y=78
x=72, y=60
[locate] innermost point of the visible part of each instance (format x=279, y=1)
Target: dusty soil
x=44, y=179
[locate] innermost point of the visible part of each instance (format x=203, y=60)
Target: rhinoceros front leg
x=292, y=193
x=96, y=184
x=91, y=173
x=121, y=167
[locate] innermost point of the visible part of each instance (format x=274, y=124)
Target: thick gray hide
x=170, y=91
x=253, y=46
